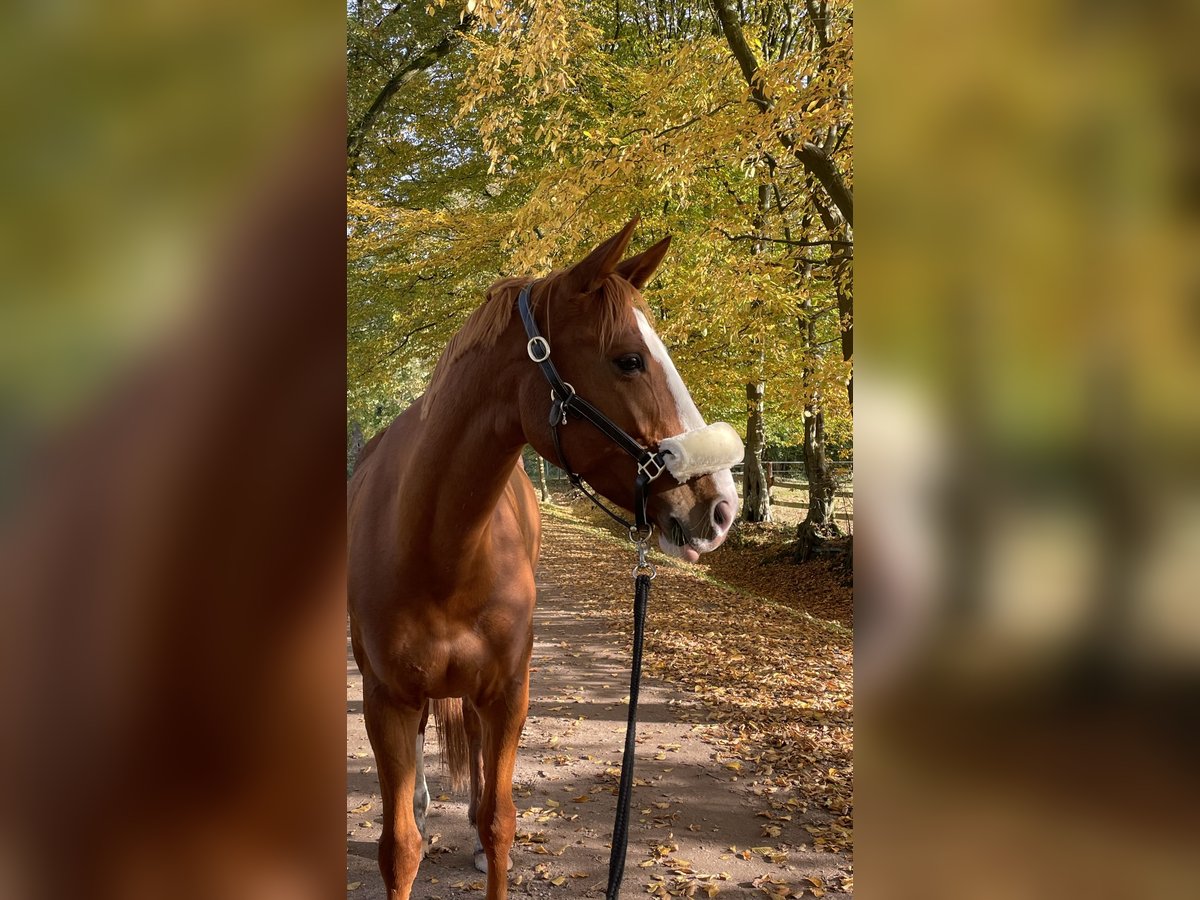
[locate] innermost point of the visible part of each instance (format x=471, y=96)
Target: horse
x=445, y=529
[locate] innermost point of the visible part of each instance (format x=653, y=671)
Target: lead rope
x=643, y=573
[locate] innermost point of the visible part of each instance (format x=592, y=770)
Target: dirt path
x=700, y=824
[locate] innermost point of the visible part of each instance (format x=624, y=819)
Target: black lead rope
x=650, y=465
x=620, y=839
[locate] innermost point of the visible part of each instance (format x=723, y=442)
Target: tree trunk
x=357, y=442
x=542, y=480
x=756, y=500
x=822, y=487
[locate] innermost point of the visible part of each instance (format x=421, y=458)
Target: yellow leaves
x=585, y=134
x=542, y=872
x=816, y=886
x=362, y=808
x=686, y=884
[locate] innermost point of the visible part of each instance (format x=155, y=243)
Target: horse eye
x=629, y=363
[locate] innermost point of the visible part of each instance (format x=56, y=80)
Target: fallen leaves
x=685, y=883
x=780, y=699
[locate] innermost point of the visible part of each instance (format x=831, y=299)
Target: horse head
x=606, y=349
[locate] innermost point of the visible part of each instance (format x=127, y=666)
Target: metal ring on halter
x=648, y=570
x=637, y=537
x=538, y=339
x=570, y=387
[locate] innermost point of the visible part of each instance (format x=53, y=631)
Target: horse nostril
x=722, y=514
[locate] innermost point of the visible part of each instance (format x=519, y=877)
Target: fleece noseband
x=685, y=456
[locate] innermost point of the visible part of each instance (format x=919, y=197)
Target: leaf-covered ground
x=744, y=772
x=759, y=560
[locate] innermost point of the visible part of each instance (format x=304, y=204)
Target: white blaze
x=684, y=404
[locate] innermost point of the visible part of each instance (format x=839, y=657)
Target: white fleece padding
x=703, y=451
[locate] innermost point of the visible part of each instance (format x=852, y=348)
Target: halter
x=563, y=399
x=688, y=455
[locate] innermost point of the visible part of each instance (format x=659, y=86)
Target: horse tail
x=452, y=739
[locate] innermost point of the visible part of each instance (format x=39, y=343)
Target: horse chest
x=453, y=649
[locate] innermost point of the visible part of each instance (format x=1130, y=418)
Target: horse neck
x=469, y=443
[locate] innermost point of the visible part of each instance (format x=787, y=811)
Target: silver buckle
x=541, y=341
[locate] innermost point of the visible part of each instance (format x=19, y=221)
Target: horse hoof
x=481, y=861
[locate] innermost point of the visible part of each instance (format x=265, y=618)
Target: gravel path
x=698, y=827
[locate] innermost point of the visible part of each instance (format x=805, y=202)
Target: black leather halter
x=563, y=399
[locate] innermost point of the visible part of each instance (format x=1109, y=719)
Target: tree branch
x=813, y=158
x=788, y=242
x=415, y=65
x=403, y=342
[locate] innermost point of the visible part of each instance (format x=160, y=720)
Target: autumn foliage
x=514, y=134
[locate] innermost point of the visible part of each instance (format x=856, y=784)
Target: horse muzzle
x=702, y=452
x=695, y=516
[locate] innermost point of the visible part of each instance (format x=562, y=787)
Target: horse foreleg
x=497, y=816
x=394, y=732
x=475, y=752
x=421, y=791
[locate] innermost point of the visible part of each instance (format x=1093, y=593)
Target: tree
x=543, y=124
x=357, y=442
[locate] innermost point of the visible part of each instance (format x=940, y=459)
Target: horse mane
x=612, y=300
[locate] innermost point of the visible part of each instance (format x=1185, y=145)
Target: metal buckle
x=643, y=567
x=644, y=468
x=538, y=339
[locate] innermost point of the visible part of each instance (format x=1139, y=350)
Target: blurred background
x=1028, y=560
x=171, y=404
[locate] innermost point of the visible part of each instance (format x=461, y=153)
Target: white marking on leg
x=480, y=858
x=689, y=415
x=421, y=791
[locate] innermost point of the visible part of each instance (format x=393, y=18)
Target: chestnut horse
x=445, y=530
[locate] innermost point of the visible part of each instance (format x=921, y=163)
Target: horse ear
x=592, y=269
x=638, y=270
